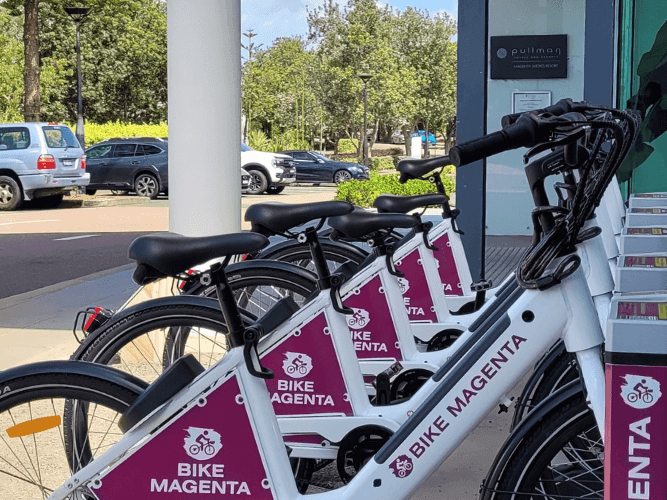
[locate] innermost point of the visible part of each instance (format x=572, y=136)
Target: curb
x=104, y=202
x=8, y=302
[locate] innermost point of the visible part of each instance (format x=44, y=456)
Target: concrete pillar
x=204, y=68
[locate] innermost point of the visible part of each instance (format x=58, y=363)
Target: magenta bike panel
x=304, y=439
x=635, y=437
x=371, y=326
x=196, y=456
x=414, y=286
x=309, y=379
x=449, y=274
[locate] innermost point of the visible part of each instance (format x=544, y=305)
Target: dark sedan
x=316, y=168
x=138, y=164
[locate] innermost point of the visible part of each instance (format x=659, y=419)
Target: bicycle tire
x=569, y=435
x=560, y=371
x=34, y=395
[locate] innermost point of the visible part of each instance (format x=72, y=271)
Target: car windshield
x=245, y=148
x=318, y=155
x=59, y=136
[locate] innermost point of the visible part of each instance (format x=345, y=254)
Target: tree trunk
x=31, y=109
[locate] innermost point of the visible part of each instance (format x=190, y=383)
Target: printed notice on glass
x=528, y=101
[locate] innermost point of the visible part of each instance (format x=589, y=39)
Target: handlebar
x=560, y=108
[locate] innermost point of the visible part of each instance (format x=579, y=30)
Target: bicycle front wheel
x=561, y=458
x=38, y=450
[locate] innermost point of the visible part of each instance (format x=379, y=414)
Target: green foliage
x=348, y=146
x=286, y=141
x=363, y=193
x=375, y=164
x=258, y=140
x=98, y=132
x=11, y=69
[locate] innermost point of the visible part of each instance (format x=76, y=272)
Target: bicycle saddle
x=389, y=203
x=413, y=168
x=171, y=254
x=276, y=218
x=360, y=223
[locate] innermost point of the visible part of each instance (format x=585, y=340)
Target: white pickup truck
x=269, y=172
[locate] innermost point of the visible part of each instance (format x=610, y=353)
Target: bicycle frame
x=443, y=411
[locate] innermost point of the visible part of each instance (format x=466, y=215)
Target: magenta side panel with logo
x=308, y=377
x=196, y=456
x=449, y=275
x=371, y=326
x=635, y=437
x=414, y=286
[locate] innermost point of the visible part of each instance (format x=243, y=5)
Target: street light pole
x=365, y=77
x=78, y=14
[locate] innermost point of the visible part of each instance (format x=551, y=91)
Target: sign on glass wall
x=528, y=57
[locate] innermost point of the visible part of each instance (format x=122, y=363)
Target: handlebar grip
x=523, y=133
x=561, y=107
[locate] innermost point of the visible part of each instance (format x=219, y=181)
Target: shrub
x=287, y=140
x=96, y=132
x=347, y=145
x=363, y=193
x=258, y=140
x=380, y=164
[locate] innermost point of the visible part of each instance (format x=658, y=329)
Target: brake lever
x=568, y=138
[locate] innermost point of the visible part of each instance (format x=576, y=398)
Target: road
x=39, y=248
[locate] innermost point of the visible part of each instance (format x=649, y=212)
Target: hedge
x=96, y=132
x=380, y=164
x=363, y=193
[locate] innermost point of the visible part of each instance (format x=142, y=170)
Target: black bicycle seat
x=360, y=223
x=413, y=168
x=171, y=254
x=276, y=218
x=389, y=203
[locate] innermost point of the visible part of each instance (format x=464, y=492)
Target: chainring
x=443, y=340
x=358, y=447
x=407, y=383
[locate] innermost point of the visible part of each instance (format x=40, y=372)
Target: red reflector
x=46, y=162
x=182, y=283
x=244, y=257
x=50, y=123
x=91, y=319
x=83, y=162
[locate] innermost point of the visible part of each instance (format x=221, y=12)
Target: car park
x=136, y=164
x=422, y=134
x=316, y=168
x=40, y=161
x=269, y=172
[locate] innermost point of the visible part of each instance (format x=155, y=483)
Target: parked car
x=245, y=181
x=269, y=172
x=315, y=167
x=39, y=161
x=136, y=164
x=422, y=133
x=397, y=137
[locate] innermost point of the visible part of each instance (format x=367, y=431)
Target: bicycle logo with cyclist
x=202, y=444
x=404, y=284
x=359, y=319
x=640, y=392
x=297, y=365
x=402, y=466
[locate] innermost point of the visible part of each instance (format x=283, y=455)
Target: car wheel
x=146, y=186
x=342, y=176
x=91, y=192
x=258, y=183
x=275, y=189
x=11, y=196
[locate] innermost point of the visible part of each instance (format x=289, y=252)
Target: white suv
x=269, y=172
x=39, y=160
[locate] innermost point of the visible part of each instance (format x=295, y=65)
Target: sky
x=271, y=19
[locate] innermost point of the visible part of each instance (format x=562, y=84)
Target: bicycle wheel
x=151, y=336
x=36, y=452
x=299, y=254
x=560, y=371
x=561, y=458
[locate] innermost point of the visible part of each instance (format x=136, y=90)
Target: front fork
x=591, y=369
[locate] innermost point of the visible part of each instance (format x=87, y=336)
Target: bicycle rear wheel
x=36, y=452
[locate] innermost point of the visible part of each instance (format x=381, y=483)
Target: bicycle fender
x=269, y=252
x=566, y=393
x=189, y=300
x=540, y=367
x=91, y=370
x=263, y=263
